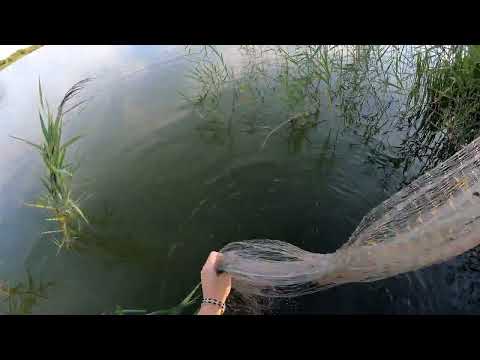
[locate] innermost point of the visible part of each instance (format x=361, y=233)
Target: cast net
x=431, y=220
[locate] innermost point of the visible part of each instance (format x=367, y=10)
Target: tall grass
x=431, y=94
x=444, y=102
x=58, y=198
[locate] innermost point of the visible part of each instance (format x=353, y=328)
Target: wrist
x=210, y=309
x=221, y=298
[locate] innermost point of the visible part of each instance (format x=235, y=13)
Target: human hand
x=214, y=285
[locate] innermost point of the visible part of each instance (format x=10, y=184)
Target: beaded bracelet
x=220, y=304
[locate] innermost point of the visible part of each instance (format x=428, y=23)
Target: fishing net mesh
x=431, y=220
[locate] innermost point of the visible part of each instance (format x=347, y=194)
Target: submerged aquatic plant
x=211, y=73
x=190, y=300
x=58, y=199
x=22, y=296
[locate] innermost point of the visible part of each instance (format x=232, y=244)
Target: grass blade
x=27, y=142
x=71, y=141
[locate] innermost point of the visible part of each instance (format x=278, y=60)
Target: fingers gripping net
x=431, y=220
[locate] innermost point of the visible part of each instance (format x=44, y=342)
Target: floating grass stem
x=191, y=299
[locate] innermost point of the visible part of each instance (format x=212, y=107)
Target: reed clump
x=444, y=102
x=58, y=198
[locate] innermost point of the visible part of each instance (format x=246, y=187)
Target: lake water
x=171, y=181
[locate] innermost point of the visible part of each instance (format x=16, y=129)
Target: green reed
x=58, y=198
x=191, y=299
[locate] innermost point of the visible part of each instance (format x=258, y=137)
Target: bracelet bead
x=216, y=302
